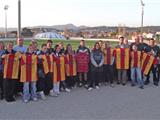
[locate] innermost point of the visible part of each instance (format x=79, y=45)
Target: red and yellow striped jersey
x=59, y=73
x=108, y=56
x=71, y=69
x=122, y=56
x=136, y=59
x=47, y=62
x=147, y=62
x=11, y=66
x=28, y=68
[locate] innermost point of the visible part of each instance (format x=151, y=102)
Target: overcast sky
x=81, y=12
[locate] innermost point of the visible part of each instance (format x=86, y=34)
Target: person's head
x=31, y=48
x=97, y=46
x=107, y=44
x=136, y=39
x=20, y=41
x=44, y=48
x=61, y=45
x=141, y=39
x=134, y=47
x=49, y=44
x=9, y=46
x=82, y=43
x=126, y=41
x=1, y=45
x=57, y=48
x=34, y=45
x=121, y=40
x=151, y=42
x=69, y=48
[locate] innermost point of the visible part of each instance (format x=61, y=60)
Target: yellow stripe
x=148, y=67
x=34, y=68
x=55, y=72
x=23, y=70
x=126, y=62
x=62, y=68
x=118, y=58
x=16, y=66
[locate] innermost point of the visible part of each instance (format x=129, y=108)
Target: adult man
x=20, y=47
x=154, y=50
x=122, y=60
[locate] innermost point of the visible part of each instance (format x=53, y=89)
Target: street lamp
x=142, y=4
x=6, y=8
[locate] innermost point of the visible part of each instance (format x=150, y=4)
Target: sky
x=80, y=12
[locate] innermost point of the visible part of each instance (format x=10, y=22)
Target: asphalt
x=120, y=102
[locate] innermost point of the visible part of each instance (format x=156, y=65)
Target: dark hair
x=95, y=46
x=55, y=47
x=43, y=45
x=152, y=39
x=49, y=41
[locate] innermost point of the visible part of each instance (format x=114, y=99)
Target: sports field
x=74, y=43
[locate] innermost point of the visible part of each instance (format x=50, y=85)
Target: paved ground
x=121, y=102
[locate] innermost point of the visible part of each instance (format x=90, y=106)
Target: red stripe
x=48, y=62
x=10, y=63
x=58, y=69
x=145, y=63
x=135, y=59
x=108, y=56
x=122, y=57
x=71, y=65
x=28, y=67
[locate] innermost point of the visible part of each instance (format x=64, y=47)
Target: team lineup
x=49, y=71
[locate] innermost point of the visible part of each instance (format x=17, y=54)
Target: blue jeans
x=26, y=93
x=56, y=87
x=136, y=72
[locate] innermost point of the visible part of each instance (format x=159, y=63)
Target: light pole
x=142, y=4
x=19, y=19
x=6, y=8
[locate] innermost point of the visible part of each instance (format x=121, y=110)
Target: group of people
x=49, y=71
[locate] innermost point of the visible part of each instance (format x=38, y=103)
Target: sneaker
x=156, y=84
x=80, y=84
x=146, y=82
x=43, y=97
x=97, y=87
x=90, y=88
x=112, y=85
x=141, y=87
x=51, y=93
x=55, y=94
x=26, y=101
x=67, y=90
x=34, y=99
x=132, y=85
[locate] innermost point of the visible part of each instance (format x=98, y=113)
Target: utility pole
x=19, y=19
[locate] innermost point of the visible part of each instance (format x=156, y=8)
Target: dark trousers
x=158, y=72
x=9, y=86
x=108, y=73
x=71, y=81
x=1, y=85
x=95, y=78
x=154, y=72
x=45, y=83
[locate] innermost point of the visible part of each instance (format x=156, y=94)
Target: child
x=135, y=67
x=71, y=70
x=28, y=76
x=59, y=71
x=108, y=63
x=11, y=71
x=97, y=61
x=82, y=56
x=1, y=69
